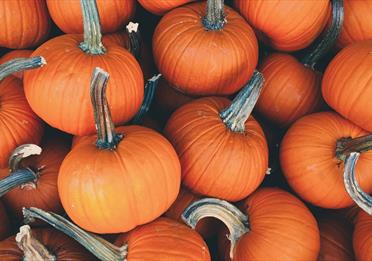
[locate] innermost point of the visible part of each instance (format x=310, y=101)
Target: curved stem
x=32, y=249
x=150, y=88
x=135, y=40
x=347, y=145
x=215, y=17
x=92, y=28
x=241, y=107
x=99, y=247
x=362, y=199
x=20, y=153
x=231, y=216
x=329, y=38
x=107, y=138
x=20, y=64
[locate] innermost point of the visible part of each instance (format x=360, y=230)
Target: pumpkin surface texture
x=160, y=7
x=362, y=237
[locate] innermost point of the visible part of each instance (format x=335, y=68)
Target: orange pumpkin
x=161, y=7
x=286, y=25
x=223, y=151
x=5, y=223
x=362, y=237
x=312, y=156
x=113, y=14
x=16, y=54
x=68, y=73
x=274, y=225
x=205, y=53
x=25, y=23
x=346, y=86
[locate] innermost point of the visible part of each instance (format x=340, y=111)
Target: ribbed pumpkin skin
x=114, y=191
x=161, y=7
x=309, y=163
x=25, y=23
x=216, y=161
x=16, y=54
x=201, y=62
x=288, y=25
x=113, y=14
x=281, y=228
x=357, y=24
x=60, y=245
x=362, y=237
x=290, y=91
x=346, y=85
x=164, y=240
x=68, y=75
x=18, y=124
x=5, y=224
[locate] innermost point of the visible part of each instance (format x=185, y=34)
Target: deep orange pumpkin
x=205, y=57
x=16, y=54
x=362, y=237
x=5, y=223
x=161, y=7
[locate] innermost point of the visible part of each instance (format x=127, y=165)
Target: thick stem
x=232, y=217
x=92, y=28
x=107, y=138
x=346, y=146
x=150, y=88
x=99, y=247
x=135, y=40
x=32, y=249
x=241, y=107
x=215, y=17
x=20, y=153
x=329, y=37
x=20, y=64
x=362, y=199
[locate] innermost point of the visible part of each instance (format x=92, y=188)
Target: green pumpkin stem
x=241, y=107
x=362, y=199
x=92, y=28
x=231, y=216
x=20, y=64
x=135, y=40
x=345, y=146
x=215, y=15
x=99, y=247
x=329, y=37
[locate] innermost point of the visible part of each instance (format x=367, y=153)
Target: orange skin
x=362, y=237
x=309, y=163
x=286, y=25
x=107, y=191
x=16, y=54
x=216, y=161
x=202, y=62
x=290, y=91
x=161, y=7
x=68, y=75
x=164, y=239
x=18, y=124
x=113, y=14
x=357, y=24
x=5, y=223
x=25, y=23
x=346, y=85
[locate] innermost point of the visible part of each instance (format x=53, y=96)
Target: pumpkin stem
x=20, y=176
x=215, y=17
x=241, y=107
x=107, y=138
x=32, y=249
x=99, y=247
x=345, y=146
x=92, y=28
x=150, y=88
x=329, y=37
x=231, y=216
x=20, y=64
x=135, y=40
x=362, y=199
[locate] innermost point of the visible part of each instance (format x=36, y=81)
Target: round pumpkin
x=362, y=237
x=16, y=54
x=161, y=7
x=5, y=223
x=199, y=55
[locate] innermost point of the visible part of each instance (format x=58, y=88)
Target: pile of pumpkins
x=185, y=130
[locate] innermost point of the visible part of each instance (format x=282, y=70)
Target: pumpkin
x=25, y=23
x=68, y=73
x=5, y=223
x=125, y=162
x=16, y=54
x=222, y=149
x=362, y=237
x=346, y=86
x=18, y=123
x=42, y=244
x=358, y=24
x=113, y=14
x=163, y=240
x=312, y=155
x=161, y=7
x=286, y=25
x=205, y=53
x=274, y=225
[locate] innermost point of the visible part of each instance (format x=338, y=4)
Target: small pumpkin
x=362, y=237
x=5, y=223
x=15, y=54
x=161, y=7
